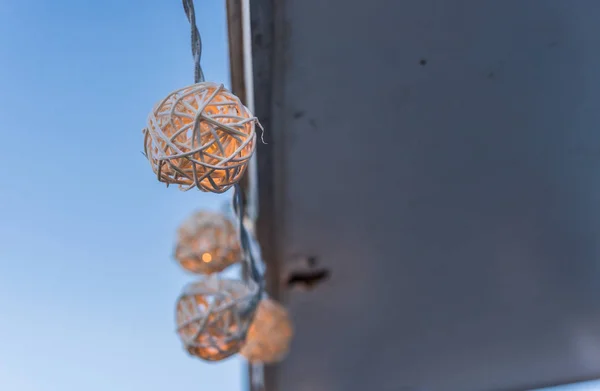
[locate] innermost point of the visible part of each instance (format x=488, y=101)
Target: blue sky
x=87, y=285
x=586, y=386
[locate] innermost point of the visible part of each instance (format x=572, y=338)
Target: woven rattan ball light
x=269, y=335
x=213, y=317
x=200, y=136
x=207, y=242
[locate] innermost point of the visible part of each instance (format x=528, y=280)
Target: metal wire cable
x=188, y=6
x=246, y=239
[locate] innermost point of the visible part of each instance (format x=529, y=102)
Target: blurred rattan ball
x=207, y=243
x=200, y=136
x=213, y=317
x=269, y=335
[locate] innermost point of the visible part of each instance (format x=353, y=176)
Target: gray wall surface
x=442, y=159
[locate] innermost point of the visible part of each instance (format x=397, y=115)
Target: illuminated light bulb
x=200, y=136
x=207, y=242
x=269, y=335
x=213, y=317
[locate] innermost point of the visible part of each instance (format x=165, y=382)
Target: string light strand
x=238, y=204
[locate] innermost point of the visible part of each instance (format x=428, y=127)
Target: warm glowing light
x=207, y=243
x=269, y=335
x=200, y=136
x=213, y=317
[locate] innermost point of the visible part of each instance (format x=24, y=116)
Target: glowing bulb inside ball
x=207, y=243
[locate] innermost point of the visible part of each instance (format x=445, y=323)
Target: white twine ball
x=200, y=136
x=207, y=242
x=213, y=317
x=270, y=334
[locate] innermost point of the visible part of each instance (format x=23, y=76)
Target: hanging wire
x=188, y=6
x=246, y=240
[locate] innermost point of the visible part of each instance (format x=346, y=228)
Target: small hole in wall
x=307, y=279
x=307, y=276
